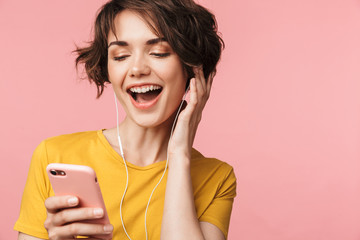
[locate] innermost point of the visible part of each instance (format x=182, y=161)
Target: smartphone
x=79, y=181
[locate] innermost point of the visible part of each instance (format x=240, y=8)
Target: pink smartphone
x=79, y=181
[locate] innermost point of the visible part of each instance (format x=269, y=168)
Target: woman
x=151, y=52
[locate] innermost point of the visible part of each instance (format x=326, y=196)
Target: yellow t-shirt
x=214, y=186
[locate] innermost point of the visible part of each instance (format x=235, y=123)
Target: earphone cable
x=126, y=168
x=167, y=160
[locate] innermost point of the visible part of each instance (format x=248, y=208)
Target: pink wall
x=284, y=110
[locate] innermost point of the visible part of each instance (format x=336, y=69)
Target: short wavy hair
x=190, y=29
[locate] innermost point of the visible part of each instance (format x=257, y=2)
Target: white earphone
x=126, y=168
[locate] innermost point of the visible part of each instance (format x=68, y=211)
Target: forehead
x=130, y=25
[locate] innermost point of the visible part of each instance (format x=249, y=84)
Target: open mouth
x=145, y=94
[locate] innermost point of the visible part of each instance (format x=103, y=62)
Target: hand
x=189, y=119
x=64, y=221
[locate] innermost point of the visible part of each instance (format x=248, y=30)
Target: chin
x=153, y=120
x=148, y=121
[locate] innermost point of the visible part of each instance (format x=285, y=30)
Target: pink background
x=284, y=110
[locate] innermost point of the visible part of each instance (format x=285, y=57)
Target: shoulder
x=72, y=139
x=212, y=172
x=78, y=145
x=199, y=161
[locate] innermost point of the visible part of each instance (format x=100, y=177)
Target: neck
x=144, y=146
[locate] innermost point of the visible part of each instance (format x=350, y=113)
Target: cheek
x=116, y=74
x=111, y=72
x=173, y=73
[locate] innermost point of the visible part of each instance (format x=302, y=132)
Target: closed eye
x=121, y=58
x=160, y=55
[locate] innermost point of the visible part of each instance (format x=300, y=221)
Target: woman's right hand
x=64, y=220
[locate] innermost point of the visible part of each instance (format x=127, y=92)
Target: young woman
x=150, y=51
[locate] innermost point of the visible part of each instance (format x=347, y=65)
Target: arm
x=179, y=219
x=23, y=236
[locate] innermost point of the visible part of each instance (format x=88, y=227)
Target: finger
x=201, y=76
x=76, y=214
x=82, y=229
x=187, y=110
x=200, y=81
x=209, y=84
x=193, y=96
x=55, y=203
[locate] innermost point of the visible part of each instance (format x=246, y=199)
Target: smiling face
x=146, y=74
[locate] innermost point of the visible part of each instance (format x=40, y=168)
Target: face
x=146, y=74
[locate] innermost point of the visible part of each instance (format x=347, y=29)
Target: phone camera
x=53, y=172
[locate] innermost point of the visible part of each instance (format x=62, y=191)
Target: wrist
x=180, y=160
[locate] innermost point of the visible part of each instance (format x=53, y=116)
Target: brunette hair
x=190, y=29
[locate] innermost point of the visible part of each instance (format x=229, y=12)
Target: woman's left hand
x=180, y=219
x=190, y=117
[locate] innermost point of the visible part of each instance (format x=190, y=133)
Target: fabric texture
x=214, y=186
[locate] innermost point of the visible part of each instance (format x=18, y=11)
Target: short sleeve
x=219, y=211
x=37, y=188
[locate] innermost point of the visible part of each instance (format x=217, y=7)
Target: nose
x=139, y=67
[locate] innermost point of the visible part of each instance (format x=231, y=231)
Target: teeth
x=144, y=89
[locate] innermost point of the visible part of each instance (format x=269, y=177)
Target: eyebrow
x=148, y=42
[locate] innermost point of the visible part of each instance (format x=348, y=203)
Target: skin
x=147, y=131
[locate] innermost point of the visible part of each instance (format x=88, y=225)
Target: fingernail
x=73, y=201
x=98, y=212
x=108, y=228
